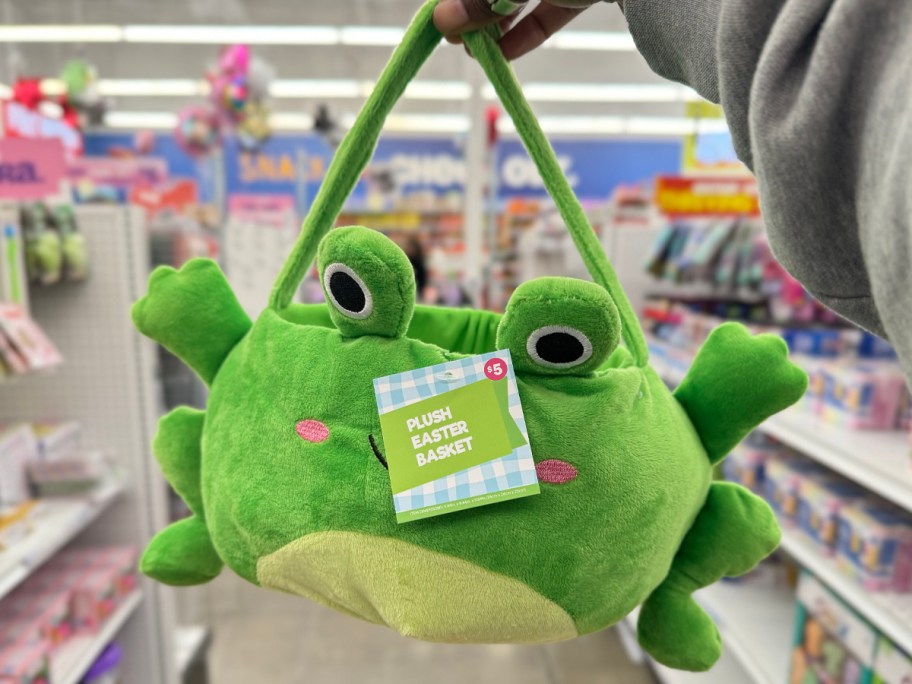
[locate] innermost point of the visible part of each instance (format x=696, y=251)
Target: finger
x=454, y=39
x=539, y=25
x=459, y=16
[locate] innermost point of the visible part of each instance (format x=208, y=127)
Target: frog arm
x=194, y=314
x=182, y=554
x=735, y=383
x=733, y=532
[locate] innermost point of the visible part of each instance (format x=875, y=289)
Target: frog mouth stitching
x=376, y=450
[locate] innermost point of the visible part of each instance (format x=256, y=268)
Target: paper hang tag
x=454, y=436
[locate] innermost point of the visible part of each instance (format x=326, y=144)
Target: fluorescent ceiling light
x=371, y=35
x=291, y=121
x=602, y=92
x=222, y=34
x=657, y=125
x=618, y=41
x=140, y=119
x=314, y=88
x=419, y=123
x=438, y=90
x=52, y=87
x=379, y=36
x=53, y=33
x=129, y=87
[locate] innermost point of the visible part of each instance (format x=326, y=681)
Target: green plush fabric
x=723, y=410
x=356, y=150
x=574, y=305
x=195, y=315
x=182, y=555
x=313, y=565
x=294, y=496
x=177, y=447
x=387, y=282
x=732, y=533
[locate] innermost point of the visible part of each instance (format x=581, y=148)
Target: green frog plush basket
x=284, y=471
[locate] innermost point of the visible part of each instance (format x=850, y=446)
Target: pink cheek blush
x=312, y=431
x=554, y=471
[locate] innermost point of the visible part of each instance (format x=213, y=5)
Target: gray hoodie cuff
x=678, y=40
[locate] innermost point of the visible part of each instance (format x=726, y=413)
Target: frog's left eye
x=559, y=326
x=559, y=346
x=368, y=282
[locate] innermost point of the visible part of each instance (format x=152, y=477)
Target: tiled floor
x=262, y=636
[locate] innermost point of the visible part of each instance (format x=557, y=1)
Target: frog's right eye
x=347, y=292
x=559, y=326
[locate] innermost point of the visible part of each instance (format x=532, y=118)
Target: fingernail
x=450, y=16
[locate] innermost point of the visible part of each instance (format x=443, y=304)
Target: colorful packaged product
x=832, y=644
x=46, y=613
x=17, y=449
x=891, y=665
x=875, y=546
x=57, y=440
x=820, y=501
x=95, y=598
x=862, y=396
x=783, y=477
x=746, y=465
x=25, y=664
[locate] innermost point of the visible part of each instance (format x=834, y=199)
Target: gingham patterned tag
x=455, y=436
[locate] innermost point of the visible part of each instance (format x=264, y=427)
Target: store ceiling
x=138, y=60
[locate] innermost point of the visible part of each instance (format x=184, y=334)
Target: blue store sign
x=413, y=165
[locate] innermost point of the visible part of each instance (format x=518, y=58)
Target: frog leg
x=735, y=383
x=182, y=553
x=733, y=532
x=193, y=313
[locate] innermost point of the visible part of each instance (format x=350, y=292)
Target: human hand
x=455, y=17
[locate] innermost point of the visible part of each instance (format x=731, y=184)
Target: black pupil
x=559, y=347
x=347, y=292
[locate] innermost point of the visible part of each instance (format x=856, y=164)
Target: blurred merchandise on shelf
x=17, y=449
x=891, y=665
x=25, y=346
x=746, y=464
x=24, y=663
x=55, y=250
x=833, y=645
x=854, y=379
x=71, y=595
x=46, y=459
x=875, y=545
x=106, y=668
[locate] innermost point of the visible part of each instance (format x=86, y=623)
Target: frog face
x=297, y=494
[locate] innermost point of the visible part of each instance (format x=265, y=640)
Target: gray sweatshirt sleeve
x=818, y=96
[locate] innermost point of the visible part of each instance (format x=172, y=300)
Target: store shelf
x=188, y=642
x=753, y=621
x=56, y=523
x=878, y=460
x=76, y=656
x=890, y=613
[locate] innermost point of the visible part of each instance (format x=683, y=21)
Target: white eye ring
x=532, y=346
x=368, y=307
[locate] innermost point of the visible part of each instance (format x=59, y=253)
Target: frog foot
x=735, y=383
x=182, y=555
x=193, y=313
x=733, y=532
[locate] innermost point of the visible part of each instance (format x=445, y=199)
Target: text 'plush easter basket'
x=283, y=471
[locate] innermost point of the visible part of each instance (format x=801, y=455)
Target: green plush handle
x=357, y=148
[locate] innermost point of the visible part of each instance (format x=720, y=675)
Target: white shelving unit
x=890, y=613
x=57, y=522
x=108, y=383
x=750, y=617
x=73, y=660
x=877, y=460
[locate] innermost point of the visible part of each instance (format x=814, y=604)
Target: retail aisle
x=262, y=636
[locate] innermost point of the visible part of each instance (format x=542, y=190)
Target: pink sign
x=30, y=169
